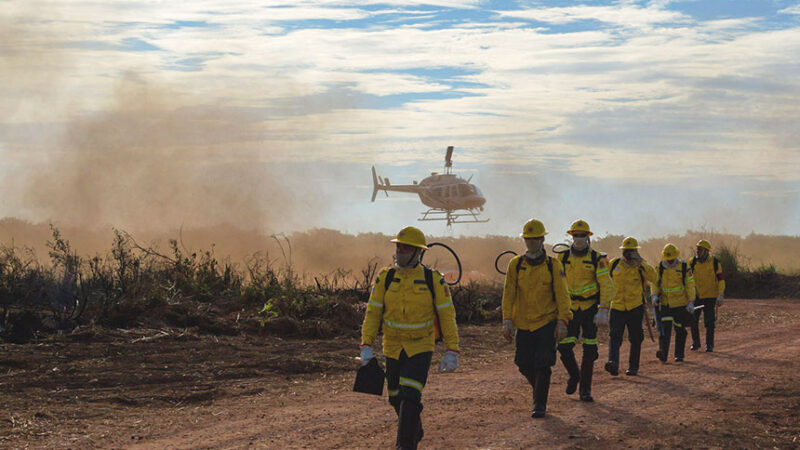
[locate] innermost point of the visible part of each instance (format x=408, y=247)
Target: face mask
x=406, y=260
x=580, y=243
x=671, y=265
x=631, y=257
x=702, y=254
x=534, y=246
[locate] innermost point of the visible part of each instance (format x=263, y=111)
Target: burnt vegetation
x=138, y=286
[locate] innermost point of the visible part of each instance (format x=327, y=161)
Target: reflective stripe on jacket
x=585, y=281
x=670, y=285
x=406, y=310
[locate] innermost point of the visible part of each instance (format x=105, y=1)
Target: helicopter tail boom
x=383, y=184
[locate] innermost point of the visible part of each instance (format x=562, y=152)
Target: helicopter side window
x=437, y=192
x=463, y=190
x=453, y=191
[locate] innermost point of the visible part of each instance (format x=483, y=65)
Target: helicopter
x=449, y=197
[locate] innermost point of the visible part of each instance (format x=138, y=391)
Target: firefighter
x=590, y=289
x=710, y=285
x=536, y=306
x=409, y=298
x=674, y=295
x=630, y=275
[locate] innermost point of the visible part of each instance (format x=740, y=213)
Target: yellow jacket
x=406, y=310
x=629, y=284
x=709, y=282
x=674, y=288
x=586, y=283
x=535, y=296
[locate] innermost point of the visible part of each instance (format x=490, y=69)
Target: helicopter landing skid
x=451, y=216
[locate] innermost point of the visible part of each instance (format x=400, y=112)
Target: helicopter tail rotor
x=375, y=185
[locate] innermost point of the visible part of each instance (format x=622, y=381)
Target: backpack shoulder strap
x=389, y=279
x=549, y=261
x=565, y=257
x=660, y=273
x=716, y=264
x=693, y=262
x=595, y=258
x=519, y=264
x=684, y=269
x=614, y=265
x=429, y=282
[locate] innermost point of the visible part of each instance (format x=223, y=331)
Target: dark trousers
x=582, y=324
x=679, y=318
x=709, y=320
x=618, y=321
x=535, y=355
x=536, y=349
x=405, y=379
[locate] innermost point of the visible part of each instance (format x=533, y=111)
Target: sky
x=644, y=118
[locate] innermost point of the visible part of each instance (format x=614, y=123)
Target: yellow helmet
x=670, y=252
x=630, y=243
x=411, y=236
x=580, y=225
x=533, y=229
x=705, y=244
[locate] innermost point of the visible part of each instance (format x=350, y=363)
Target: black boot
x=612, y=366
x=709, y=339
x=568, y=358
x=695, y=334
x=680, y=344
x=540, y=392
x=587, y=367
x=663, y=343
x=408, y=426
x=633, y=359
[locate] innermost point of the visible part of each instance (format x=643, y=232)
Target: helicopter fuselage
x=449, y=197
x=449, y=192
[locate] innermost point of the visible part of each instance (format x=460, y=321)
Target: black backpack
x=614, y=265
x=684, y=269
x=714, y=260
x=428, y=282
x=593, y=254
x=549, y=261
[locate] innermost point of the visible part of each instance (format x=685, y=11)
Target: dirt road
x=179, y=392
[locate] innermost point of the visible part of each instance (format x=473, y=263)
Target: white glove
x=690, y=307
x=561, y=331
x=449, y=361
x=656, y=300
x=366, y=354
x=601, y=318
x=508, y=329
x=720, y=299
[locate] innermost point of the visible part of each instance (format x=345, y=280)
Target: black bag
x=370, y=378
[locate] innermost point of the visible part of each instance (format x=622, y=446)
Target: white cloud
x=621, y=15
x=534, y=91
x=791, y=10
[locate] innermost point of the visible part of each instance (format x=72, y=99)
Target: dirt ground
x=174, y=389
